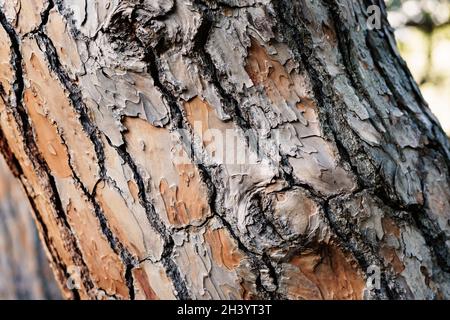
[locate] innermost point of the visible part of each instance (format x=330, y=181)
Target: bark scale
x=224, y=149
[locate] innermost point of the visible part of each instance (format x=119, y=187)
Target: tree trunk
x=24, y=269
x=198, y=149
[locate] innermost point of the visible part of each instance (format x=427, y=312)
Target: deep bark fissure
x=365, y=256
x=231, y=106
x=180, y=122
x=92, y=131
x=286, y=168
x=21, y=118
x=171, y=268
x=433, y=236
x=348, y=237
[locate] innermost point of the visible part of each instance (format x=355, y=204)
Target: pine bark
x=331, y=165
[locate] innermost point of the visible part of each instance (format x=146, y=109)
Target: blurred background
x=24, y=269
x=423, y=36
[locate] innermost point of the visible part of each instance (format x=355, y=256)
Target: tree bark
x=198, y=149
x=24, y=269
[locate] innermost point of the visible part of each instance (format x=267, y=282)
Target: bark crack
x=171, y=268
x=21, y=118
x=91, y=130
x=181, y=123
x=295, y=36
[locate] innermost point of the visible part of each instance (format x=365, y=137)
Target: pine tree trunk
x=197, y=149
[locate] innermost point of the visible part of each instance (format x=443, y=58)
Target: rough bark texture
x=101, y=99
x=24, y=269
